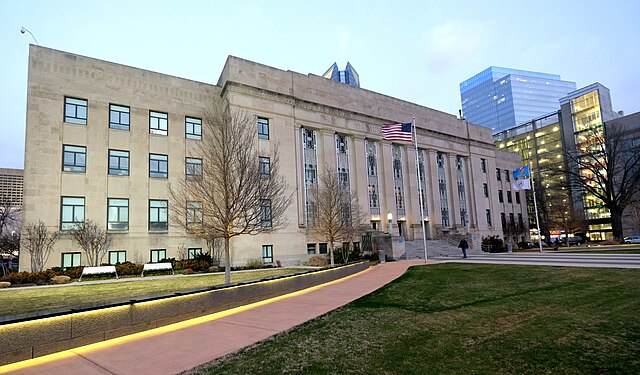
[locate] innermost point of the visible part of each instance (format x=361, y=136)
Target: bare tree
x=38, y=242
x=606, y=166
x=9, y=212
x=237, y=191
x=93, y=240
x=337, y=216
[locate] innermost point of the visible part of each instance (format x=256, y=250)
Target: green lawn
x=17, y=301
x=467, y=319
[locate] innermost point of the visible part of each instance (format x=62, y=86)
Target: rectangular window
x=507, y=176
x=72, y=212
x=509, y=196
x=498, y=174
x=118, y=214
x=503, y=220
x=158, y=255
x=74, y=158
x=158, y=166
x=500, y=197
x=194, y=213
x=267, y=253
x=158, y=123
x=265, y=213
x=485, y=190
x=75, y=111
x=489, y=217
x=323, y=248
x=70, y=260
x=118, y=256
x=119, y=162
x=193, y=168
x=265, y=167
x=263, y=128
x=193, y=128
x=517, y=197
x=512, y=219
x=158, y=214
x=483, y=165
x=118, y=117
x=193, y=252
x=520, y=222
x=311, y=248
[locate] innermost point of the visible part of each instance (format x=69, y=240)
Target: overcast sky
x=418, y=51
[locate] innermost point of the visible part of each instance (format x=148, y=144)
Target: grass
x=467, y=319
x=18, y=301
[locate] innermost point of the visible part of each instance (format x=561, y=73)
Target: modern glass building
x=501, y=98
x=348, y=75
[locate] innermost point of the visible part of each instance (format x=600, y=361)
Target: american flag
x=397, y=132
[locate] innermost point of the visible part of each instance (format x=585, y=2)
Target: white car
x=631, y=239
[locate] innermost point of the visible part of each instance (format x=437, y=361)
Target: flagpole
x=424, y=233
x=535, y=206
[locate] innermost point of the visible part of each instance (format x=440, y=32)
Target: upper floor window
x=117, y=214
x=500, y=198
x=75, y=111
x=485, y=190
x=158, y=215
x=119, y=162
x=193, y=168
x=263, y=128
x=158, y=166
x=265, y=167
x=517, y=197
x=193, y=128
x=489, y=217
x=507, y=176
x=118, y=117
x=498, y=174
x=509, y=196
x=265, y=213
x=483, y=165
x=71, y=212
x=158, y=122
x=74, y=158
x=194, y=214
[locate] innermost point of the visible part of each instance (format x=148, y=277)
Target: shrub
x=205, y=257
x=195, y=265
x=253, y=264
x=128, y=268
x=317, y=261
x=38, y=278
x=496, y=243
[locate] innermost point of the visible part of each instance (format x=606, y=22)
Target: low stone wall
x=22, y=340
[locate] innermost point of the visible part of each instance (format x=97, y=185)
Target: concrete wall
x=34, y=338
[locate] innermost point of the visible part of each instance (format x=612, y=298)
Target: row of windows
x=485, y=191
x=72, y=214
x=507, y=175
x=75, y=112
x=74, y=259
x=74, y=159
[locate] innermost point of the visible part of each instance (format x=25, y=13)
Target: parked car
x=575, y=240
x=631, y=239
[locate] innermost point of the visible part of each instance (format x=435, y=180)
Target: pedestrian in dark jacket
x=464, y=246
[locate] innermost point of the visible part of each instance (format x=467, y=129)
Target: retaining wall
x=23, y=338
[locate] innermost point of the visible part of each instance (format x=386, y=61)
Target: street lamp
x=390, y=218
x=24, y=30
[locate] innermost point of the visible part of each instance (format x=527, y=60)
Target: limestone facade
x=310, y=117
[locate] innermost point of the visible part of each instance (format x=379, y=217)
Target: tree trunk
x=227, y=261
x=616, y=223
x=331, y=253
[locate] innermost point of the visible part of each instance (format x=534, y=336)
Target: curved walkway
x=182, y=346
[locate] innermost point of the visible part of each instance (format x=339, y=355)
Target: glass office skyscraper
x=348, y=75
x=501, y=98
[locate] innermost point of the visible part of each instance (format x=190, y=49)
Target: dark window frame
x=123, y=114
x=267, y=254
x=500, y=196
x=73, y=259
x=155, y=171
x=78, y=166
x=192, y=252
x=158, y=252
x=265, y=167
x=119, y=169
x=193, y=168
x=70, y=225
x=498, y=174
x=194, y=215
x=71, y=114
x=158, y=225
x=158, y=122
x=117, y=253
x=116, y=225
x=311, y=246
x=509, y=198
x=196, y=128
x=263, y=128
x=266, y=221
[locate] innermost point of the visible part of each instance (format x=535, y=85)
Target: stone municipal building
x=104, y=141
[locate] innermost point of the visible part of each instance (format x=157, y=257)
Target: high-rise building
x=348, y=75
x=501, y=98
x=105, y=141
x=11, y=183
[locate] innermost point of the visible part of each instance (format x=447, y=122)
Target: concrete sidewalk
x=182, y=346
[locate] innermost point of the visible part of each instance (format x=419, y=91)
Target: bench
x=157, y=267
x=98, y=271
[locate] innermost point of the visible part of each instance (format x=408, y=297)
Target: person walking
x=464, y=246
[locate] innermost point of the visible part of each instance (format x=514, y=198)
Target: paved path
x=554, y=259
x=182, y=346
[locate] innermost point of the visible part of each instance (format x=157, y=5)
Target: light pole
x=390, y=218
x=24, y=30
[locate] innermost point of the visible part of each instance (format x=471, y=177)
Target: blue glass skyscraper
x=501, y=98
x=348, y=76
